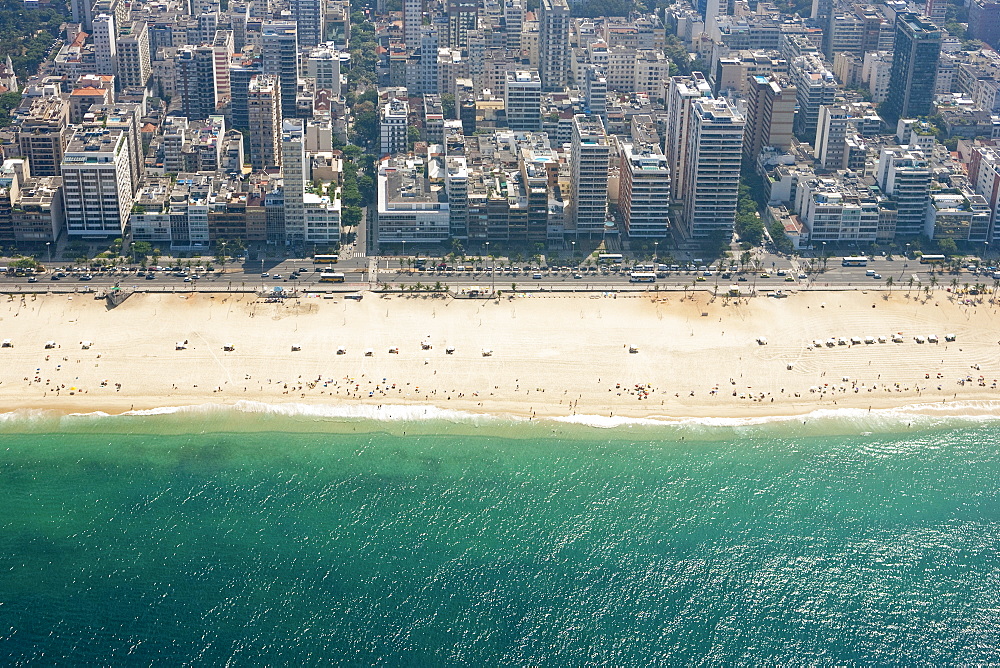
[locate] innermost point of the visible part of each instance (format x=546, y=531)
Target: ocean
x=292, y=536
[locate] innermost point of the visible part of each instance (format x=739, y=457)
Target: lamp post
x=824, y=256
x=401, y=257
x=656, y=246
x=48, y=251
x=574, y=250
x=493, y=266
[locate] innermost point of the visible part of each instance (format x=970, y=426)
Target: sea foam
x=251, y=416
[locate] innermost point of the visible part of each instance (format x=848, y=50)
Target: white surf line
x=216, y=358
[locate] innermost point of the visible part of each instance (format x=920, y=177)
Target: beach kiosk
x=7, y=343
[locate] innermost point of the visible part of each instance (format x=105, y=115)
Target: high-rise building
x=553, y=44
x=711, y=185
x=105, y=45
x=264, y=114
x=133, y=55
x=427, y=71
x=682, y=92
x=308, y=16
x=589, y=155
x=513, y=21
x=97, y=183
x=323, y=65
x=815, y=86
x=124, y=116
x=280, y=60
x=904, y=175
x=914, y=68
x=523, y=100
x=984, y=21
x=413, y=12
x=43, y=134
x=195, y=81
x=392, y=126
x=293, y=167
x=831, y=137
x=770, y=114
x=462, y=15
x=595, y=92
x=241, y=71
x=936, y=11
x=222, y=47
x=644, y=195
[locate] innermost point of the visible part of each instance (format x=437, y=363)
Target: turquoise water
x=576, y=547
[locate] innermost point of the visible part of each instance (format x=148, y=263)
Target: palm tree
x=934, y=281
x=888, y=283
x=909, y=285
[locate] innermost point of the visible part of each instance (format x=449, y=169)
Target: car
x=877, y=277
x=701, y=279
x=187, y=280
x=265, y=275
x=54, y=277
x=765, y=275
x=789, y=279
x=537, y=277
x=741, y=278
x=781, y=272
x=803, y=276
x=150, y=276
x=276, y=276
x=32, y=280
x=577, y=275
x=86, y=277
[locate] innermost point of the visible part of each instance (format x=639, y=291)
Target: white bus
x=609, y=258
x=642, y=277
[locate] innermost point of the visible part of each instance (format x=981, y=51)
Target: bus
x=609, y=258
x=325, y=259
x=857, y=261
x=932, y=259
x=642, y=277
x=331, y=277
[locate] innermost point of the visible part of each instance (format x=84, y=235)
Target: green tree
x=948, y=247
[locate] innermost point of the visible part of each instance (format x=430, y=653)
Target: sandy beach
x=552, y=355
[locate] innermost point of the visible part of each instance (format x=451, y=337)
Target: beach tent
x=50, y=344
x=296, y=348
x=86, y=344
x=7, y=343
x=229, y=347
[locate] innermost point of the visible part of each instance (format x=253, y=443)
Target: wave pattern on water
x=371, y=549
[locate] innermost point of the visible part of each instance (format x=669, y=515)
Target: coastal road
x=361, y=274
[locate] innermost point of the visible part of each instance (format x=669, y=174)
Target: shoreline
x=553, y=357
